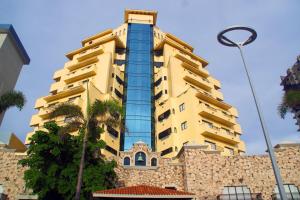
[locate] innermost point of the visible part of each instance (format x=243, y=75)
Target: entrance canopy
x=142, y=192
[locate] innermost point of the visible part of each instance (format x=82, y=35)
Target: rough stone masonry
x=196, y=169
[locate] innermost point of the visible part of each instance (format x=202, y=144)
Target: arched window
x=127, y=161
x=292, y=192
x=153, y=162
x=140, y=159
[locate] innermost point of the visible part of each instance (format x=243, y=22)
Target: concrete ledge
x=287, y=145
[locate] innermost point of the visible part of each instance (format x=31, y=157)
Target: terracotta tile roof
x=142, y=190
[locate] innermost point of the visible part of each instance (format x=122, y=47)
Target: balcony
x=214, y=132
x=90, y=54
x=58, y=74
x=82, y=64
x=187, y=60
x=80, y=74
x=216, y=115
x=68, y=92
x=208, y=98
x=197, y=80
x=35, y=120
x=45, y=111
x=39, y=103
x=201, y=72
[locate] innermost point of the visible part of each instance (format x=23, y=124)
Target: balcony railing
x=212, y=131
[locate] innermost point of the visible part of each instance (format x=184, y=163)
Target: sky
x=50, y=29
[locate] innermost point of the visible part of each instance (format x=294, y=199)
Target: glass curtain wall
x=138, y=86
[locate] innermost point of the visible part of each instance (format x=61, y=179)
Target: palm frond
x=68, y=110
x=10, y=99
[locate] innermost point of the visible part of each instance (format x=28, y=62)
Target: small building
x=12, y=57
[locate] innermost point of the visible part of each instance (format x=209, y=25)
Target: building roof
x=11, y=141
x=9, y=29
x=140, y=12
x=143, y=191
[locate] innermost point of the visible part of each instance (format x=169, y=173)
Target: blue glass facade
x=138, y=86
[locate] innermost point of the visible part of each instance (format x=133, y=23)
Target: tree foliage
x=10, y=99
x=290, y=102
x=53, y=164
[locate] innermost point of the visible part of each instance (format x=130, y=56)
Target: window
x=158, y=82
x=140, y=159
x=112, y=131
x=184, y=125
x=158, y=95
x=235, y=193
x=173, y=111
x=230, y=151
x=181, y=107
x=166, y=91
x=166, y=151
x=292, y=192
x=111, y=150
x=153, y=162
x=212, y=145
x=165, y=78
x=164, y=115
x=112, y=75
x=126, y=161
x=175, y=130
x=164, y=133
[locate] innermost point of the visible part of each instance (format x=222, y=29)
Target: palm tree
x=10, y=99
x=290, y=102
x=100, y=112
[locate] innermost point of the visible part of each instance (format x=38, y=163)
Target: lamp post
x=227, y=42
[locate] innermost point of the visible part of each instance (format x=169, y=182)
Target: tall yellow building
x=170, y=99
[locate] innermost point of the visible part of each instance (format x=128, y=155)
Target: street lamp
x=227, y=42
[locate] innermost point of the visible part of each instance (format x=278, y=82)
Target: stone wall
x=197, y=170
x=205, y=172
x=11, y=174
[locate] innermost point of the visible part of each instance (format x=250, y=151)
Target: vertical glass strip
x=138, y=99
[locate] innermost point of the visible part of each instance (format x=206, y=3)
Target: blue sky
x=50, y=29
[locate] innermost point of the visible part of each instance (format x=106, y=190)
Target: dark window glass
x=158, y=64
x=163, y=116
x=119, y=94
x=166, y=151
x=111, y=150
x=140, y=159
x=164, y=133
x=119, y=80
x=126, y=161
x=158, y=82
x=158, y=95
x=153, y=162
x=119, y=62
x=112, y=131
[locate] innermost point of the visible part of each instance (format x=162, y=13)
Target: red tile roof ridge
x=143, y=190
